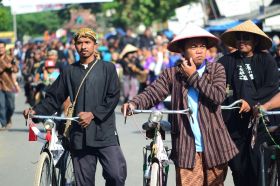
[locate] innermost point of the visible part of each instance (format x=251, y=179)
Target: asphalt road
x=19, y=157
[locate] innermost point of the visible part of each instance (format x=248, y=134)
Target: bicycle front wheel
x=273, y=174
x=43, y=174
x=155, y=174
x=65, y=170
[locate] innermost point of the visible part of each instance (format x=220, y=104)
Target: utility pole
x=213, y=9
x=205, y=17
x=15, y=25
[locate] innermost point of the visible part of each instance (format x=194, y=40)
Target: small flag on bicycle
x=32, y=135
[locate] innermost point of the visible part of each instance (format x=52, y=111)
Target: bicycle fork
x=147, y=163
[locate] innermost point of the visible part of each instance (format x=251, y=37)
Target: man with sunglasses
x=252, y=77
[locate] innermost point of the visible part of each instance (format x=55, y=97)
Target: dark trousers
x=7, y=106
x=246, y=165
x=111, y=159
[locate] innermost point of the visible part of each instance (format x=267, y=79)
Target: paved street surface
x=18, y=156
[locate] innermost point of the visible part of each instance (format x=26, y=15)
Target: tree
x=35, y=24
x=6, y=19
x=133, y=12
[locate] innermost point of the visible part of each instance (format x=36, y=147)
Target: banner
x=230, y=8
x=31, y=6
x=44, y=2
x=24, y=9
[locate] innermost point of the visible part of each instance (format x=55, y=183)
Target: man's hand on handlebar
x=127, y=109
x=28, y=112
x=85, y=118
x=245, y=107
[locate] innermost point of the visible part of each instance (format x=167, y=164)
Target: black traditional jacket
x=99, y=94
x=263, y=87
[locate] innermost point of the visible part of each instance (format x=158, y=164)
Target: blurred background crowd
x=132, y=34
x=139, y=59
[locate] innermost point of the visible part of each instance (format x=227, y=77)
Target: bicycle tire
x=274, y=174
x=65, y=170
x=44, y=173
x=146, y=167
x=155, y=174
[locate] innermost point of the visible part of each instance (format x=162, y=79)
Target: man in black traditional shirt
x=251, y=76
x=95, y=137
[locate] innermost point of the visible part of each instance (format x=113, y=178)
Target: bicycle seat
x=164, y=125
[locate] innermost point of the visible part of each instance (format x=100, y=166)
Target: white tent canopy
x=31, y=6
x=42, y=2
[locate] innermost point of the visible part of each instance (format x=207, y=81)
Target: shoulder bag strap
x=70, y=109
x=74, y=102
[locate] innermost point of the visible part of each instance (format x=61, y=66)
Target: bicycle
x=156, y=155
x=55, y=163
x=271, y=176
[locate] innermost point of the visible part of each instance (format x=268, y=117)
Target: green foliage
x=124, y=13
x=6, y=19
x=134, y=12
x=35, y=24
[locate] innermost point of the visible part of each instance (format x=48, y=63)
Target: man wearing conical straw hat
x=251, y=76
x=132, y=70
x=201, y=145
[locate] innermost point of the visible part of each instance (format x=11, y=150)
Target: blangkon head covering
x=85, y=32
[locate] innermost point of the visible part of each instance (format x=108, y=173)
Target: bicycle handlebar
x=55, y=117
x=271, y=147
x=269, y=112
x=232, y=106
x=228, y=107
x=188, y=110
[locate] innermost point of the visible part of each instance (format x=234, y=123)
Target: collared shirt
x=193, y=104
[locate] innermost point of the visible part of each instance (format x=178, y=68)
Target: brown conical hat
x=191, y=31
x=229, y=37
x=128, y=49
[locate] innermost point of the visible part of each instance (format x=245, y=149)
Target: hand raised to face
x=188, y=66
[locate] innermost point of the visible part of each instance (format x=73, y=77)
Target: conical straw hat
x=192, y=31
x=128, y=49
x=229, y=37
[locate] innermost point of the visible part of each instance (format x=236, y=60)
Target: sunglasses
x=244, y=37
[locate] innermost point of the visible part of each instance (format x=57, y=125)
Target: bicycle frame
x=52, y=148
x=156, y=164
x=274, y=170
x=52, y=145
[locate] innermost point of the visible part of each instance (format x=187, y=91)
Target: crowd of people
x=139, y=59
x=140, y=72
